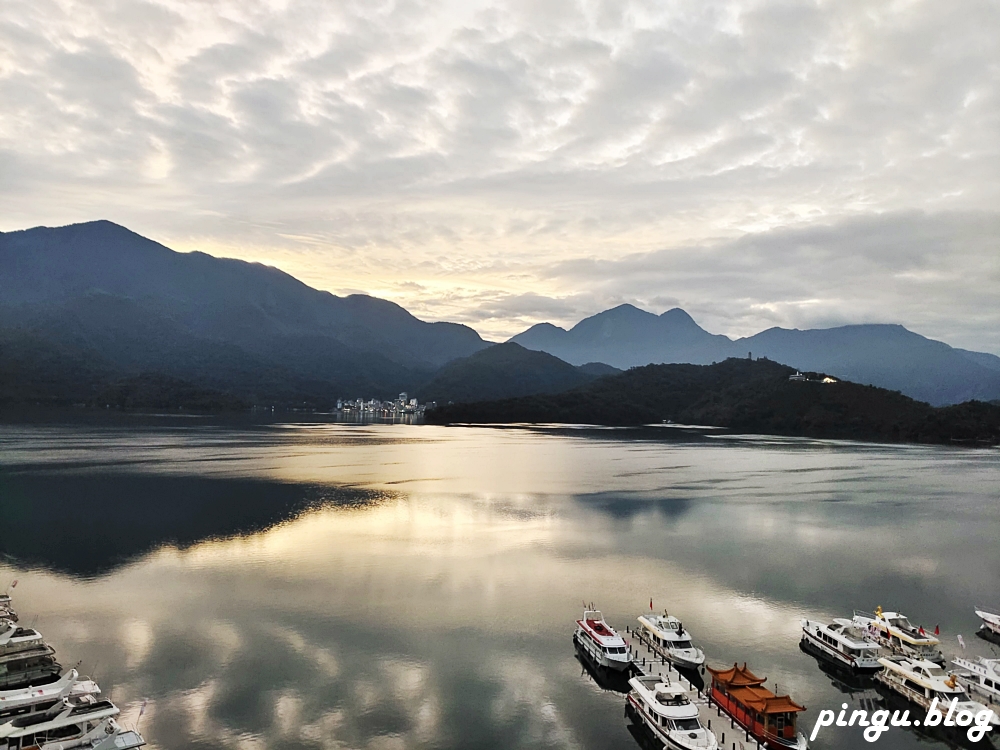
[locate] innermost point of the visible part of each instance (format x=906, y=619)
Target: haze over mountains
x=94, y=309
x=888, y=356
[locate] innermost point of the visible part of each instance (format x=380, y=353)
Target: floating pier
x=731, y=736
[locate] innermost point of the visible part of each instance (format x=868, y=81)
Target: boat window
x=900, y=622
x=934, y=671
x=687, y=725
x=988, y=683
x=682, y=644
x=836, y=627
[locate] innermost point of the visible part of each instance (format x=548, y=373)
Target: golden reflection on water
x=494, y=536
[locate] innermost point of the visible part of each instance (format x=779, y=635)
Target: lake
x=329, y=585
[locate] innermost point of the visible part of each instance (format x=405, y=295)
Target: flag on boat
x=961, y=641
x=142, y=708
x=922, y=631
x=937, y=630
x=650, y=605
x=13, y=584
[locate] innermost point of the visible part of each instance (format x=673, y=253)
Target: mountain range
x=888, y=356
x=96, y=313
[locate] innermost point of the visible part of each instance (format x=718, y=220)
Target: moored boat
x=600, y=641
x=667, y=711
x=89, y=726
x=769, y=718
x=893, y=631
x=925, y=682
x=42, y=697
x=981, y=679
x=991, y=622
x=24, y=668
x=843, y=642
x=666, y=635
x=7, y=612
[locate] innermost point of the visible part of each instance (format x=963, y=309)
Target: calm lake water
x=395, y=586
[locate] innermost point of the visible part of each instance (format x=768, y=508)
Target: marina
x=925, y=683
x=44, y=708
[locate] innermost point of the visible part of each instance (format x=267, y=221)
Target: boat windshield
x=680, y=644
x=687, y=725
x=934, y=671
x=900, y=622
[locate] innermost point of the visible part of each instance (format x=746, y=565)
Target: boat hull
x=821, y=650
x=635, y=713
x=597, y=655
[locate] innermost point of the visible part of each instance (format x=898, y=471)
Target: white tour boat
x=14, y=638
x=90, y=726
x=842, y=642
x=667, y=636
x=894, y=632
x=600, y=641
x=42, y=697
x=921, y=681
x=666, y=709
x=991, y=622
x=981, y=679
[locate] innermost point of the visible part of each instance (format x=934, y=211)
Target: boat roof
x=69, y=716
x=839, y=626
x=988, y=667
x=666, y=625
x=68, y=684
x=28, y=653
x=664, y=697
x=988, y=616
x=737, y=676
x=748, y=689
x=601, y=632
x=912, y=669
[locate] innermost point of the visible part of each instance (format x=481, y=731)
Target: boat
x=893, y=631
x=24, y=668
x=600, y=642
x=7, y=613
x=41, y=697
x=843, y=642
x=768, y=717
x=981, y=679
x=14, y=638
x=667, y=637
x=922, y=682
x=991, y=622
x=90, y=726
x=666, y=710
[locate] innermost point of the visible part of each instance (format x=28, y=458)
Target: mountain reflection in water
x=305, y=586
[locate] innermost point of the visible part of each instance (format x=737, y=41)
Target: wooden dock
x=727, y=732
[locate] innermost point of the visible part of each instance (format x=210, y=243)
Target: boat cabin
x=741, y=694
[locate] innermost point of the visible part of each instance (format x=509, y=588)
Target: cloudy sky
x=756, y=163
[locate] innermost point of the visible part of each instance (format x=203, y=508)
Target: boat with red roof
x=768, y=717
x=600, y=641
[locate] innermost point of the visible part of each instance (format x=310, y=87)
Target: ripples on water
x=328, y=586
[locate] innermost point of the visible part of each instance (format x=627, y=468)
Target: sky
x=802, y=164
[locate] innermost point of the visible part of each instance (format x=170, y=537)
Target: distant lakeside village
x=400, y=406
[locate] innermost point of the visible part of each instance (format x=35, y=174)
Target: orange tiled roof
x=737, y=676
x=763, y=701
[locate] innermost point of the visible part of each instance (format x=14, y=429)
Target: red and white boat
x=600, y=641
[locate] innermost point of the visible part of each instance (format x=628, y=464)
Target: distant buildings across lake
x=401, y=405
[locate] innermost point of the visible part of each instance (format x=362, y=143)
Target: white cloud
x=478, y=149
